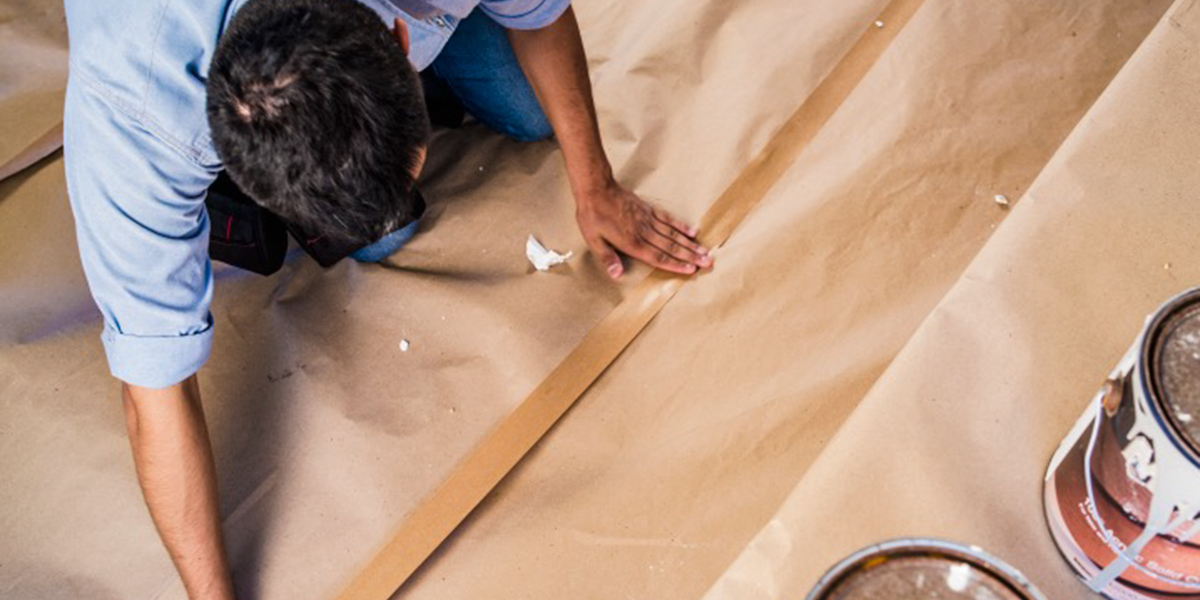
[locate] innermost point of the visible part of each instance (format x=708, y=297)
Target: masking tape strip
x=40, y=148
x=439, y=514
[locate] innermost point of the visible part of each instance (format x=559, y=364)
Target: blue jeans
x=478, y=66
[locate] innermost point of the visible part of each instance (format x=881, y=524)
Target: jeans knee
x=530, y=129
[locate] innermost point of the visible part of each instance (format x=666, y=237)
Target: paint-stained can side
x=919, y=569
x=1122, y=493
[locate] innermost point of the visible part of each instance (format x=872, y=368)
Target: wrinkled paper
x=541, y=258
x=866, y=360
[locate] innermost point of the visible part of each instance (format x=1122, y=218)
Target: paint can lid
x=1175, y=361
x=922, y=569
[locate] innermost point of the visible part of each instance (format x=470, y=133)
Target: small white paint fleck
x=1001, y=199
x=958, y=577
x=404, y=345
x=480, y=169
x=1184, y=417
x=879, y=24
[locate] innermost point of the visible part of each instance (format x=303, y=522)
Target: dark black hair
x=318, y=116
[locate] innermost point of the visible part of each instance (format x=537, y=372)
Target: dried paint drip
x=920, y=570
x=1123, y=490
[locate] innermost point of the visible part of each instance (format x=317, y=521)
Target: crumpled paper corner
x=540, y=257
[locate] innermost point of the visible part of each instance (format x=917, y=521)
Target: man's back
x=149, y=60
x=139, y=161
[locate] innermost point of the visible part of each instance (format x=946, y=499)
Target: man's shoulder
x=149, y=59
x=132, y=38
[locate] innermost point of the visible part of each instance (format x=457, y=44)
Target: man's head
x=318, y=116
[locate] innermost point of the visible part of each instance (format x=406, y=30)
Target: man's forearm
x=611, y=218
x=173, y=456
x=554, y=62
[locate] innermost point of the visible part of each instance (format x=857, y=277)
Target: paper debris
x=404, y=345
x=541, y=258
x=879, y=24
x=1001, y=199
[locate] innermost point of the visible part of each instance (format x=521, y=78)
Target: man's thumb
x=609, y=258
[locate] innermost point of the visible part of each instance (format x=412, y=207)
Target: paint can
x=1122, y=493
x=919, y=569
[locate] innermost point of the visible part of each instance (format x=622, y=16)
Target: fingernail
x=614, y=271
x=691, y=269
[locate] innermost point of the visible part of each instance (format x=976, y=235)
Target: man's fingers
x=668, y=219
x=658, y=257
x=608, y=257
x=678, y=245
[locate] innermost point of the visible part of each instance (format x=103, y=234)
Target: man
x=316, y=112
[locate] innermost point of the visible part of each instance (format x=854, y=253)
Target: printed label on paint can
x=920, y=569
x=1122, y=493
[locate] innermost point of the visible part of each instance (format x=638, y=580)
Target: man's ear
x=400, y=31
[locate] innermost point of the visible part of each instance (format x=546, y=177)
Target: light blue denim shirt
x=139, y=160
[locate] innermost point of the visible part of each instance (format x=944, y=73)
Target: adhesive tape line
x=424, y=529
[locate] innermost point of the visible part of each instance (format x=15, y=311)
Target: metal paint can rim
x=1147, y=378
x=901, y=547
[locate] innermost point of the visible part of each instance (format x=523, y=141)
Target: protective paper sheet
x=954, y=439
x=723, y=452
x=683, y=452
x=33, y=78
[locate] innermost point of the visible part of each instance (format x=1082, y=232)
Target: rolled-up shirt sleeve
x=524, y=14
x=138, y=201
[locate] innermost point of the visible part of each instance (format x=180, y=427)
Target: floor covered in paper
x=882, y=349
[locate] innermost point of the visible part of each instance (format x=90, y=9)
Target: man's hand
x=614, y=219
x=610, y=217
